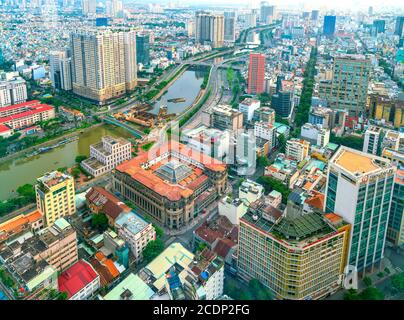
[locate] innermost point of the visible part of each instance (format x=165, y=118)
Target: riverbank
x=19, y=171
x=169, y=83
x=21, y=153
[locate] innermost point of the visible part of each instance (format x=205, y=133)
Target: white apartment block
x=247, y=108
x=12, y=92
x=372, y=140
x=315, y=134
x=214, y=285
x=136, y=232
x=106, y=155
x=250, y=191
x=297, y=149
x=232, y=209
x=265, y=131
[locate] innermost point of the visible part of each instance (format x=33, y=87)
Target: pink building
x=256, y=73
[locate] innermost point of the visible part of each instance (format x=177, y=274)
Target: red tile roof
x=77, y=277
x=34, y=109
x=223, y=247
x=31, y=103
x=110, y=204
x=4, y=128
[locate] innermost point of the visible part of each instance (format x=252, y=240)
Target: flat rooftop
x=52, y=179
x=173, y=254
x=130, y=288
x=300, y=230
x=131, y=221
x=356, y=162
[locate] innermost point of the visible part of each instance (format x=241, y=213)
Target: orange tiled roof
x=333, y=217
x=316, y=201
x=20, y=220
x=173, y=192
x=108, y=263
x=111, y=267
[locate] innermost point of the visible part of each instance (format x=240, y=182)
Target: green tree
x=350, y=141
x=371, y=293
x=76, y=172
x=159, y=231
x=27, y=190
x=62, y=296
x=80, y=158
x=99, y=221
x=201, y=246
x=245, y=295
x=153, y=249
x=367, y=281
x=263, y=161
x=273, y=184
x=264, y=98
x=282, y=143
x=259, y=291
x=146, y=131
x=351, y=294
x=397, y=281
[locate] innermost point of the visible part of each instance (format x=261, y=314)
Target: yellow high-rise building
x=298, y=258
x=382, y=107
x=55, y=196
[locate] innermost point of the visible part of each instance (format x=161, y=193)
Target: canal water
x=16, y=172
x=187, y=86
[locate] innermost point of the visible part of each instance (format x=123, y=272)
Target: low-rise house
x=100, y=200
x=80, y=281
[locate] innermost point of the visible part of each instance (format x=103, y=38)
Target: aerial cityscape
x=201, y=150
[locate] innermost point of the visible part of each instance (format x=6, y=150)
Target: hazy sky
x=309, y=4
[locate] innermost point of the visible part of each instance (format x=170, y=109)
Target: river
x=187, y=86
x=16, y=172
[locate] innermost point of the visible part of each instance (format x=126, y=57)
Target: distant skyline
x=307, y=4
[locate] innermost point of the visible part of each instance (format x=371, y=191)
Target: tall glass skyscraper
x=329, y=25
x=143, y=48
x=360, y=189
x=395, y=232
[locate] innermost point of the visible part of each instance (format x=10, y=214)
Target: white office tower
x=359, y=189
x=60, y=70
x=113, y=8
x=372, y=140
x=13, y=91
x=245, y=153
